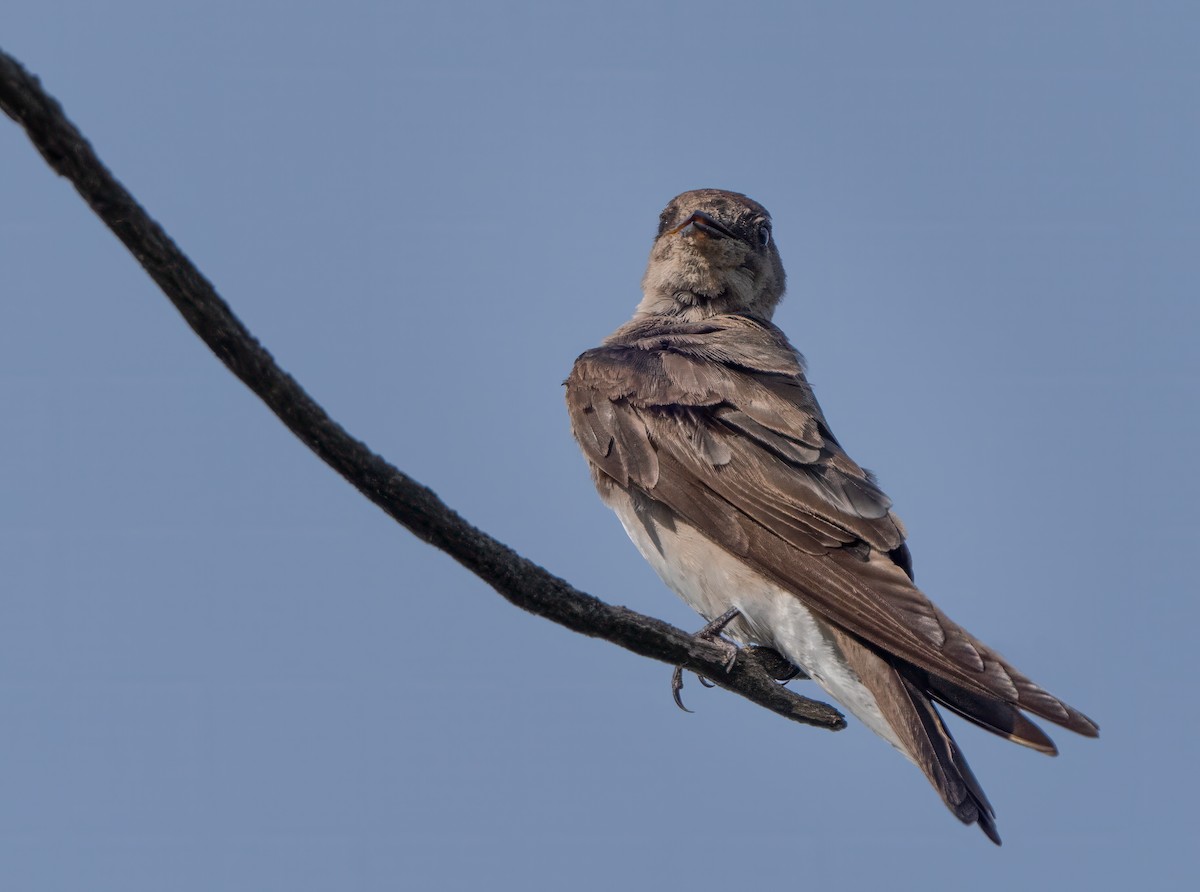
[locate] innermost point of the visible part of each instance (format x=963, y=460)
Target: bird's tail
x=919, y=732
x=944, y=764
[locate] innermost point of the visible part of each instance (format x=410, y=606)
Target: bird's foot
x=776, y=664
x=711, y=633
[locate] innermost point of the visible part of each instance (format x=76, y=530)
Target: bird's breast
x=711, y=580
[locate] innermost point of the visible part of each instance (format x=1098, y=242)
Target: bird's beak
x=700, y=222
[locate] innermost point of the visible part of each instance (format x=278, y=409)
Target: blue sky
x=221, y=668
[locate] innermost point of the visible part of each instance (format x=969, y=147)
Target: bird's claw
x=677, y=687
x=792, y=673
x=776, y=664
x=710, y=633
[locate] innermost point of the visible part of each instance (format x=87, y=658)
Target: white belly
x=711, y=580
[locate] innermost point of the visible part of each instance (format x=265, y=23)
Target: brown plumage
x=704, y=435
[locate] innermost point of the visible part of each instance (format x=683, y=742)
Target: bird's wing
x=716, y=421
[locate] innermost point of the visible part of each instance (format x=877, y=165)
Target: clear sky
x=222, y=668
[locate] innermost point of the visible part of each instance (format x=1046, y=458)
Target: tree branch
x=416, y=507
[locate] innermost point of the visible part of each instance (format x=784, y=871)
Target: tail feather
x=944, y=764
x=920, y=734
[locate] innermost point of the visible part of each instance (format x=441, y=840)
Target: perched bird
x=704, y=436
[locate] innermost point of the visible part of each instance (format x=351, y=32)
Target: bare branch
x=416, y=507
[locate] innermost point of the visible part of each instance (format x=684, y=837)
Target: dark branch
x=416, y=507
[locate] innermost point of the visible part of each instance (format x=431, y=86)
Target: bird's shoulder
x=662, y=361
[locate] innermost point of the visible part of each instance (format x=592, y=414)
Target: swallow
x=704, y=436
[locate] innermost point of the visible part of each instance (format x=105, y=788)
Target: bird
x=705, y=438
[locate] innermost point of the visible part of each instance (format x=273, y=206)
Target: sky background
x=222, y=668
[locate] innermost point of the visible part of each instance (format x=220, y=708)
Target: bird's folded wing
x=744, y=455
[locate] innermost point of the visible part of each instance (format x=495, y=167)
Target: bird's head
x=714, y=254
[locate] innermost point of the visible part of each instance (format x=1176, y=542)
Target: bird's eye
x=664, y=219
x=764, y=235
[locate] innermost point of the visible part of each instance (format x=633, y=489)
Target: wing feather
x=716, y=421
